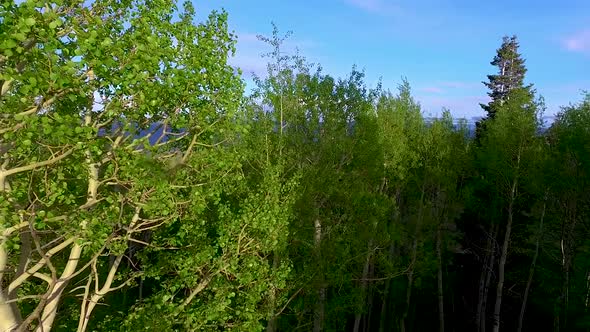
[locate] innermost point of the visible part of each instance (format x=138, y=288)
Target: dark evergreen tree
x=511, y=71
x=510, y=76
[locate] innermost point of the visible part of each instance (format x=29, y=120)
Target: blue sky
x=443, y=47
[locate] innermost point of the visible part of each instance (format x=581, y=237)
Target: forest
x=142, y=188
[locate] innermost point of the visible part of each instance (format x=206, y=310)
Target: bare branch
x=50, y=309
x=22, y=298
x=6, y=86
x=32, y=166
x=45, y=104
x=18, y=281
x=8, y=231
x=188, y=151
x=84, y=302
x=43, y=277
x=3, y=252
x=206, y=280
x=125, y=283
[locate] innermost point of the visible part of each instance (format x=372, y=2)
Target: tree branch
x=89, y=304
x=3, y=252
x=6, y=86
x=45, y=104
x=196, y=291
x=50, y=309
x=188, y=151
x=18, y=281
x=32, y=166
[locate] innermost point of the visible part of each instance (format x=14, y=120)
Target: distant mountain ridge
x=547, y=120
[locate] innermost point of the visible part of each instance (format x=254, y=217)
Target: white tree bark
x=486, y=276
x=318, y=317
x=364, y=282
x=503, y=257
x=532, y=269
x=441, y=306
x=413, y=261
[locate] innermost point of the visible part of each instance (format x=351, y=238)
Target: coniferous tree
x=519, y=108
x=511, y=71
x=510, y=76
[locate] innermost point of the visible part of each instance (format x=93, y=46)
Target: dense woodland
x=142, y=189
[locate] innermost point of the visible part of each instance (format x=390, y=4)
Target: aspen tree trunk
x=482, y=281
x=568, y=267
x=370, y=298
x=587, y=296
x=568, y=227
x=272, y=322
x=441, y=306
x=413, y=261
x=503, y=256
x=532, y=269
x=384, y=319
x=318, y=317
x=364, y=281
x=487, y=271
x=50, y=310
x=89, y=303
x=383, y=316
x=10, y=316
x=366, y=267
x=565, y=288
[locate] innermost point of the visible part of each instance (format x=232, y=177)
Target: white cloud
x=578, y=42
x=461, y=106
x=250, y=50
x=249, y=64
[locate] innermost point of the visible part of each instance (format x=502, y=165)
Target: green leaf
x=10, y=43
x=106, y=42
x=30, y=21
x=20, y=36
x=55, y=23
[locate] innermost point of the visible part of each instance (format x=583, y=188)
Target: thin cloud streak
x=376, y=6
x=249, y=64
x=463, y=106
x=449, y=86
x=250, y=50
x=432, y=89
x=460, y=85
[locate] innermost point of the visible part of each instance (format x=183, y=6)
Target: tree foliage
x=141, y=188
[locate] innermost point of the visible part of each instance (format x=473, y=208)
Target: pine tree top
x=510, y=76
